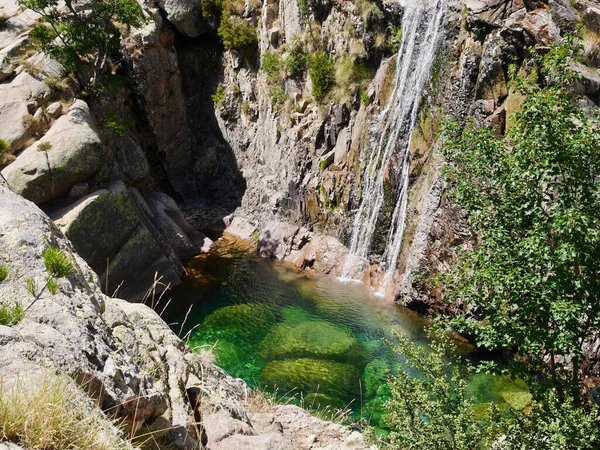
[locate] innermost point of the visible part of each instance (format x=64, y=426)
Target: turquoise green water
x=319, y=341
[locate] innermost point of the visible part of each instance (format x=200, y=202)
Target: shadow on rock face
x=214, y=176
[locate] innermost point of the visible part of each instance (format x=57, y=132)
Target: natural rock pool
x=319, y=340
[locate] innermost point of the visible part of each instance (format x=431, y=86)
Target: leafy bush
x=235, y=32
x=321, y=74
x=272, y=66
x=3, y=272
x=75, y=38
x=44, y=146
x=58, y=265
x=295, y=63
x=431, y=409
x=219, y=96
x=533, y=198
x=11, y=314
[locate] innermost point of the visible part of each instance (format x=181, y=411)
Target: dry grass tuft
x=50, y=414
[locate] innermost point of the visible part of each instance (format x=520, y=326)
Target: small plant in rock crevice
x=219, y=96
x=11, y=314
x=4, y=146
x=58, y=265
x=322, y=74
x=3, y=272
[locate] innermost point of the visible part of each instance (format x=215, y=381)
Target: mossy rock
x=315, y=339
x=292, y=314
x=374, y=376
x=246, y=323
x=317, y=400
x=495, y=388
x=518, y=400
x=311, y=375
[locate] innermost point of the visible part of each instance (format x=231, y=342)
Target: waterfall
x=392, y=133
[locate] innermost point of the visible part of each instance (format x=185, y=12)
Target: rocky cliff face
x=290, y=168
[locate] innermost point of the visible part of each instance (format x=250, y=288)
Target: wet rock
x=69, y=153
x=310, y=375
x=311, y=339
x=491, y=83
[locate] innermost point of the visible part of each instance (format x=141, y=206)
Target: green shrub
x=3, y=272
x=295, y=63
x=365, y=99
x=218, y=96
x=11, y=314
x=278, y=96
x=58, y=263
x=272, y=66
x=351, y=76
x=436, y=410
x=321, y=74
x=304, y=6
x=77, y=39
x=4, y=146
x=44, y=146
x=235, y=33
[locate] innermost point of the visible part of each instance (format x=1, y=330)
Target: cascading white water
x=392, y=133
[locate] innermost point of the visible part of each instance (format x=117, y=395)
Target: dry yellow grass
x=51, y=414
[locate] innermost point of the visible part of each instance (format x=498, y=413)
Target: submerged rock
x=314, y=339
x=244, y=323
x=375, y=375
x=311, y=375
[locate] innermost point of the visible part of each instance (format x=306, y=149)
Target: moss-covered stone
x=311, y=375
x=374, y=376
x=243, y=324
x=315, y=338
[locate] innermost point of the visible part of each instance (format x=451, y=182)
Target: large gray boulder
x=63, y=332
x=18, y=100
x=110, y=231
x=185, y=15
x=70, y=152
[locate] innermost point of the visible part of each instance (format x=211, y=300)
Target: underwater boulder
x=311, y=375
x=245, y=323
x=314, y=339
x=374, y=376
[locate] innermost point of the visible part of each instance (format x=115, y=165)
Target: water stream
x=317, y=342
x=391, y=136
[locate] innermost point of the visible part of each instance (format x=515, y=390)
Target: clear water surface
x=317, y=341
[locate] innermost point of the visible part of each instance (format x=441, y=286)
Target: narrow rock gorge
x=334, y=168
